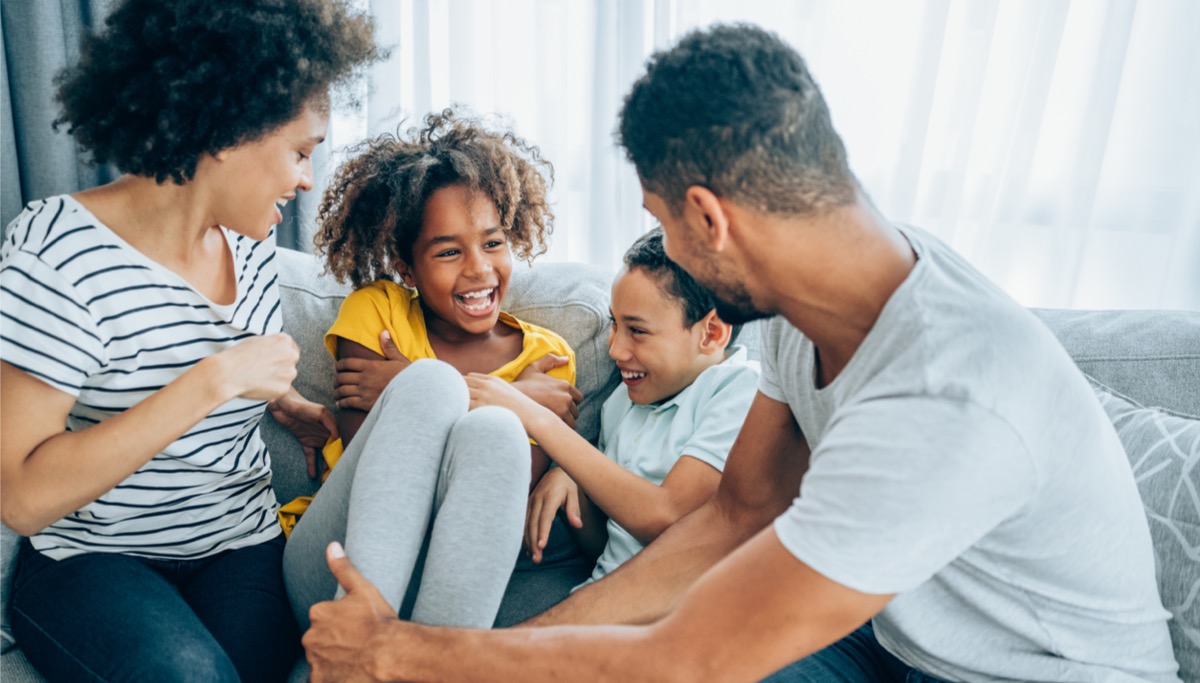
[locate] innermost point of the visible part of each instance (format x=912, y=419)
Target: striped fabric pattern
x=86, y=313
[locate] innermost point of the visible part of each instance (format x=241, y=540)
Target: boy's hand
x=489, y=390
x=311, y=423
x=360, y=381
x=560, y=396
x=555, y=491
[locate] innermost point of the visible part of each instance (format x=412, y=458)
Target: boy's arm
x=641, y=507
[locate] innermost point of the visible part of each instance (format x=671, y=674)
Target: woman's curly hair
x=168, y=81
x=371, y=214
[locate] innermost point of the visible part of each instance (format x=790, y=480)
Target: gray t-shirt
x=961, y=461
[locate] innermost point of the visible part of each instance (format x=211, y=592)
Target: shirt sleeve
x=768, y=382
x=898, y=488
x=720, y=418
x=47, y=331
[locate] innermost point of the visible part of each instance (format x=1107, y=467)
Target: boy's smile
x=658, y=354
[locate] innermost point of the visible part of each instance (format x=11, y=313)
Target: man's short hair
x=648, y=255
x=734, y=109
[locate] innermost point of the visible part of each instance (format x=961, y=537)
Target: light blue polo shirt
x=701, y=421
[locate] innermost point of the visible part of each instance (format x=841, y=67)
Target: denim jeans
x=857, y=658
x=112, y=617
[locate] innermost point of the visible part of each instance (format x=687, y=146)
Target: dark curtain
x=37, y=39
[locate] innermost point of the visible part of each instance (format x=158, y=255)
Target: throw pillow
x=1164, y=451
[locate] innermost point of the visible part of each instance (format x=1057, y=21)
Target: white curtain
x=1054, y=143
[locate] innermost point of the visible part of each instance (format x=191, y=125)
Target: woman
x=144, y=316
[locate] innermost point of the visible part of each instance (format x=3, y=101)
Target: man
x=922, y=457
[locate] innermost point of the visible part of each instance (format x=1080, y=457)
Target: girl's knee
x=494, y=436
x=428, y=382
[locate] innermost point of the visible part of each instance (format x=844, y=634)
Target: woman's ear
x=715, y=333
x=704, y=206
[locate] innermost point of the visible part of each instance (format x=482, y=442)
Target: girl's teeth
x=484, y=297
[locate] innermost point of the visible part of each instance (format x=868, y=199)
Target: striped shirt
x=86, y=313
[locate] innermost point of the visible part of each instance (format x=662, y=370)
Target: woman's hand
x=560, y=396
x=311, y=423
x=555, y=491
x=489, y=390
x=360, y=381
x=260, y=368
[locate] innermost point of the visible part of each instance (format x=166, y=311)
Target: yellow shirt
x=385, y=305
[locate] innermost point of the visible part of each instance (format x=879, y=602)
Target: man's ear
x=704, y=206
x=715, y=333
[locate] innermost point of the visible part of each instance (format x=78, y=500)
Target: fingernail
x=387, y=335
x=336, y=550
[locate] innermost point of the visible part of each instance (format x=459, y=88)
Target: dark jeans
x=857, y=658
x=112, y=617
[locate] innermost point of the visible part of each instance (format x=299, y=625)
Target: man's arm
x=762, y=476
x=753, y=613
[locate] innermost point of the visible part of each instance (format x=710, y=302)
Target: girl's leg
x=239, y=596
x=478, y=521
x=109, y=617
x=385, y=481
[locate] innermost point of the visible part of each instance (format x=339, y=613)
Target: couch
x=1134, y=358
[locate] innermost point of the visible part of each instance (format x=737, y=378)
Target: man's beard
x=737, y=309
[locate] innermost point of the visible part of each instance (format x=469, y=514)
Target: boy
x=664, y=434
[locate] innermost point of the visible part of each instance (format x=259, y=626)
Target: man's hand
x=555, y=491
x=560, y=396
x=361, y=381
x=338, y=645
x=311, y=423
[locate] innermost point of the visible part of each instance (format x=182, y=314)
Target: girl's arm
x=641, y=507
x=47, y=473
x=356, y=389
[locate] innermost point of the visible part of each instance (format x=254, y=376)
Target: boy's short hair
x=648, y=254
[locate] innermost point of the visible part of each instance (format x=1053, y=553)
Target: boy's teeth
x=281, y=203
x=632, y=375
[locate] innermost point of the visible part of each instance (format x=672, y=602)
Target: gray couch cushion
x=1164, y=451
x=1151, y=356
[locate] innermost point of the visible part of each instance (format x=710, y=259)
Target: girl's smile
x=461, y=263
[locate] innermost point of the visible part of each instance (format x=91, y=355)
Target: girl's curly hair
x=370, y=216
x=168, y=81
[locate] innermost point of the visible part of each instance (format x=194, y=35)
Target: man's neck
x=832, y=279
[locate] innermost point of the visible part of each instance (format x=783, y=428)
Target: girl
x=430, y=498
x=143, y=316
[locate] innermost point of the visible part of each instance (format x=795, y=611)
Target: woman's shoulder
x=45, y=221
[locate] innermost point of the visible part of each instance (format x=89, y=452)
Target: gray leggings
x=429, y=500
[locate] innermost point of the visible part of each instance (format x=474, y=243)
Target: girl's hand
x=555, y=491
x=560, y=396
x=488, y=390
x=311, y=423
x=360, y=381
x=259, y=368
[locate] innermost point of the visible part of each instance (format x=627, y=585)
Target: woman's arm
x=46, y=473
